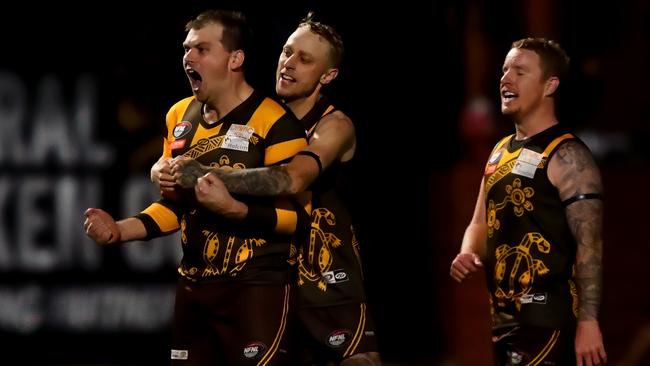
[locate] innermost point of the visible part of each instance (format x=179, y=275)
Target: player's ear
x=551, y=85
x=236, y=59
x=329, y=75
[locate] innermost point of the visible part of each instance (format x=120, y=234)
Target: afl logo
x=182, y=129
x=254, y=350
x=495, y=157
x=338, y=338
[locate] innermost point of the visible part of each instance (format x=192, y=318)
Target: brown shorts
x=334, y=333
x=230, y=323
x=530, y=345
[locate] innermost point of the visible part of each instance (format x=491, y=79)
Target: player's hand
x=101, y=227
x=464, y=265
x=590, y=350
x=213, y=195
x=187, y=171
x=161, y=175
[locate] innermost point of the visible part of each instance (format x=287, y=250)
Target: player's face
x=522, y=84
x=206, y=61
x=302, y=66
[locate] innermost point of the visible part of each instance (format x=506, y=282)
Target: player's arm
x=573, y=171
x=334, y=139
x=474, y=244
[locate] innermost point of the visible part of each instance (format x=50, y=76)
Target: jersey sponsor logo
x=539, y=298
x=237, y=137
x=338, y=337
x=179, y=354
x=527, y=163
x=335, y=276
x=178, y=144
x=182, y=129
x=254, y=350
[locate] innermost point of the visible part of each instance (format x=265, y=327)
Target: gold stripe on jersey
x=204, y=146
x=206, y=133
x=279, y=335
x=545, y=351
x=287, y=217
x=501, y=172
x=555, y=142
x=174, y=115
x=278, y=152
x=358, y=333
x=165, y=218
x=265, y=116
x=508, y=159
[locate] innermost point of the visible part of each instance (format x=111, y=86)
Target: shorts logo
x=254, y=350
x=338, y=338
x=533, y=298
x=182, y=129
x=336, y=276
x=179, y=354
x=515, y=358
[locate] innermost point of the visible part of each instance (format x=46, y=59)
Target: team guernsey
x=531, y=251
x=329, y=267
x=259, y=132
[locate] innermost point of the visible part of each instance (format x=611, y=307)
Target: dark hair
x=327, y=32
x=553, y=59
x=236, y=32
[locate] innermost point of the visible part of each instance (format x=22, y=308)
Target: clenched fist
x=101, y=227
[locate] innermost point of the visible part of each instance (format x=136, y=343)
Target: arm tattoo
x=584, y=219
x=580, y=175
x=190, y=171
x=268, y=181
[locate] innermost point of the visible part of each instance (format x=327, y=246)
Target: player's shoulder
x=336, y=118
x=181, y=105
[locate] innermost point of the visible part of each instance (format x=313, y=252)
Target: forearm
x=131, y=229
x=474, y=240
x=585, y=220
x=268, y=181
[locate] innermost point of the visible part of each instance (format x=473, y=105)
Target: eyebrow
x=200, y=44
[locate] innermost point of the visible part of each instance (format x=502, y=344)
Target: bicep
x=333, y=137
x=573, y=171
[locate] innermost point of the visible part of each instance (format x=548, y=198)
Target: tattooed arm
x=573, y=172
x=268, y=181
x=334, y=139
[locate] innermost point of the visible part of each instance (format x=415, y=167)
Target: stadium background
x=83, y=93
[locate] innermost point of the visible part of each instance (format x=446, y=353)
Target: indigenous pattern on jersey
x=259, y=132
x=329, y=265
x=531, y=251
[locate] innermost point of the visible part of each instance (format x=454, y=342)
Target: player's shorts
x=530, y=345
x=230, y=323
x=334, y=333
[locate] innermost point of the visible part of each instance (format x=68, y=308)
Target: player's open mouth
x=195, y=78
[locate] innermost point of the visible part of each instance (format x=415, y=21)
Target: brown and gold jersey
x=531, y=251
x=329, y=266
x=259, y=132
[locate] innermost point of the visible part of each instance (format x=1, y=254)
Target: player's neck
x=223, y=103
x=301, y=106
x=535, y=122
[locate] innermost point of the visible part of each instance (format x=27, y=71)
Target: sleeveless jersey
x=259, y=132
x=329, y=265
x=531, y=251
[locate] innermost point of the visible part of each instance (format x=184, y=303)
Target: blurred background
x=84, y=89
